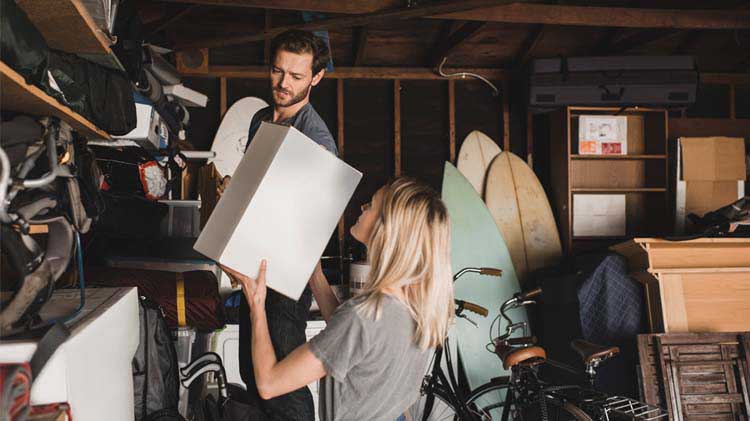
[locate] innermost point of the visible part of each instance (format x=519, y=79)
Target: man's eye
x=297, y=77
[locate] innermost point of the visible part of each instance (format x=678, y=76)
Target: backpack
x=155, y=371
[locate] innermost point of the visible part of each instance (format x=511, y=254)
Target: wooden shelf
x=620, y=190
x=66, y=25
x=18, y=96
x=576, y=156
x=601, y=237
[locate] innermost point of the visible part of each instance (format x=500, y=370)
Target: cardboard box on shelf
x=283, y=203
x=599, y=215
x=710, y=174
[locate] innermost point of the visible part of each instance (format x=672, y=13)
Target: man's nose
x=283, y=81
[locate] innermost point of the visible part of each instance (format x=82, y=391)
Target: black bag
x=614, y=81
x=155, y=372
x=23, y=47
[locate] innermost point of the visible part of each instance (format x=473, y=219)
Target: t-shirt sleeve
x=343, y=343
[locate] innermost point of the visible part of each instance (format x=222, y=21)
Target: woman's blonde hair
x=410, y=247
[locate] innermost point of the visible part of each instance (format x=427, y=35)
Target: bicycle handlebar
x=530, y=294
x=475, y=308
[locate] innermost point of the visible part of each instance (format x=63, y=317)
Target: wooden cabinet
x=641, y=175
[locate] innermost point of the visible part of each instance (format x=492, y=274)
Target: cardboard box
x=597, y=215
x=602, y=135
x=150, y=132
x=283, y=203
x=710, y=175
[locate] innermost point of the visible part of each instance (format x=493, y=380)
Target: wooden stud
x=267, y=41
x=397, y=127
x=452, y=119
x=174, y=18
x=340, y=141
x=528, y=45
x=732, y=102
x=361, y=45
x=506, y=117
x=455, y=39
x=530, y=139
x=223, y=96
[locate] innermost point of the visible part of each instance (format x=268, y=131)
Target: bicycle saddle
x=532, y=355
x=591, y=352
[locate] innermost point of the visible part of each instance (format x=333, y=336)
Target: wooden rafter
x=455, y=39
x=329, y=6
x=390, y=73
x=172, y=19
x=625, y=17
x=640, y=38
x=350, y=21
x=267, y=42
x=360, y=45
x=529, y=44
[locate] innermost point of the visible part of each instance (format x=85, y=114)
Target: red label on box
x=611, y=148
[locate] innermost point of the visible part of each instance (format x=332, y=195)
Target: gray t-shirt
x=307, y=121
x=376, y=366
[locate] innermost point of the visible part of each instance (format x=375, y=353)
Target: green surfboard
x=477, y=242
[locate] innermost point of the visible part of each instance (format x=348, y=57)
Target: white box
x=186, y=96
x=150, y=132
x=92, y=370
x=599, y=215
x=283, y=203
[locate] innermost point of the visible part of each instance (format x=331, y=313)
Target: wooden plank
x=360, y=46
x=267, y=42
x=387, y=16
x=530, y=139
x=725, y=78
x=172, y=19
x=18, y=96
x=616, y=157
x=390, y=73
x=673, y=303
x=452, y=119
x=732, y=102
x=454, y=40
x=397, y=127
x=506, y=116
x=624, y=17
x=328, y=6
x=675, y=385
x=222, y=96
x=528, y=45
x=639, y=39
x=66, y=25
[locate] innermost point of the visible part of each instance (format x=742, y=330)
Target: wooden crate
x=696, y=376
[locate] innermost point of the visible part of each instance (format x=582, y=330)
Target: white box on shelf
x=150, y=132
x=599, y=215
x=186, y=96
x=283, y=204
x=92, y=370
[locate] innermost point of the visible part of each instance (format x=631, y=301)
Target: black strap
x=47, y=346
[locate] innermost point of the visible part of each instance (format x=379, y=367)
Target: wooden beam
x=388, y=16
x=454, y=40
x=452, y=120
x=688, y=43
x=184, y=12
x=340, y=140
x=360, y=46
x=732, y=102
x=530, y=139
x=267, y=42
x=639, y=39
x=328, y=6
x=397, y=127
x=624, y=17
x=726, y=78
x=406, y=73
x=506, y=116
x=223, y=96
x=528, y=45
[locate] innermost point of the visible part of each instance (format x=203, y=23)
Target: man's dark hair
x=302, y=42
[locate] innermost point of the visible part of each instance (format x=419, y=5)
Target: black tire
x=488, y=402
x=442, y=409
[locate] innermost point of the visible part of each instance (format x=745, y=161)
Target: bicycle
x=525, y=396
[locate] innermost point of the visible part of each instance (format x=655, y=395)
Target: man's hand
x=254, y=289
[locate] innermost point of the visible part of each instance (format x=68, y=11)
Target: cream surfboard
x=231, y=138
x=522, y=212
x=475, y=156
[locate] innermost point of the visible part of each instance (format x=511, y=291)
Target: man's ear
x=318, y=77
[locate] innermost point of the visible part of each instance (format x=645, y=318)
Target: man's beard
x=291, y=101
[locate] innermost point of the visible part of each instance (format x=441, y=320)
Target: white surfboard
x=231, y=138
x=475, y=156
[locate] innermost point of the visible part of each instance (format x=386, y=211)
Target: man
x=298, y=61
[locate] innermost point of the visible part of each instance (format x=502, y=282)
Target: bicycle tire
x=442, y=409
x=488, y=403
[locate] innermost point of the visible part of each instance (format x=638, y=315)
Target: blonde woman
x=378, y=345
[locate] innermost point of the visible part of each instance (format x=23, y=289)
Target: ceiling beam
x=639, y=39
x=360, y=45
x=455, y=39
x=172, y=19
x=688, y=43
x=328, y=6
x=404, y=73
x=625, y=17
x=349, y=21
x=528, y=45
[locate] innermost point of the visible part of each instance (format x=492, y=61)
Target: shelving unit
x=641, y=175
x=66, y=25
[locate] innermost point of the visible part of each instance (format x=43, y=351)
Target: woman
x=378, y=345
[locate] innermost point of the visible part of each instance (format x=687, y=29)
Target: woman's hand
x=254, y=289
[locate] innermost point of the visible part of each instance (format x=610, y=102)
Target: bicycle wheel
x=489, y=400
x=442, y=409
